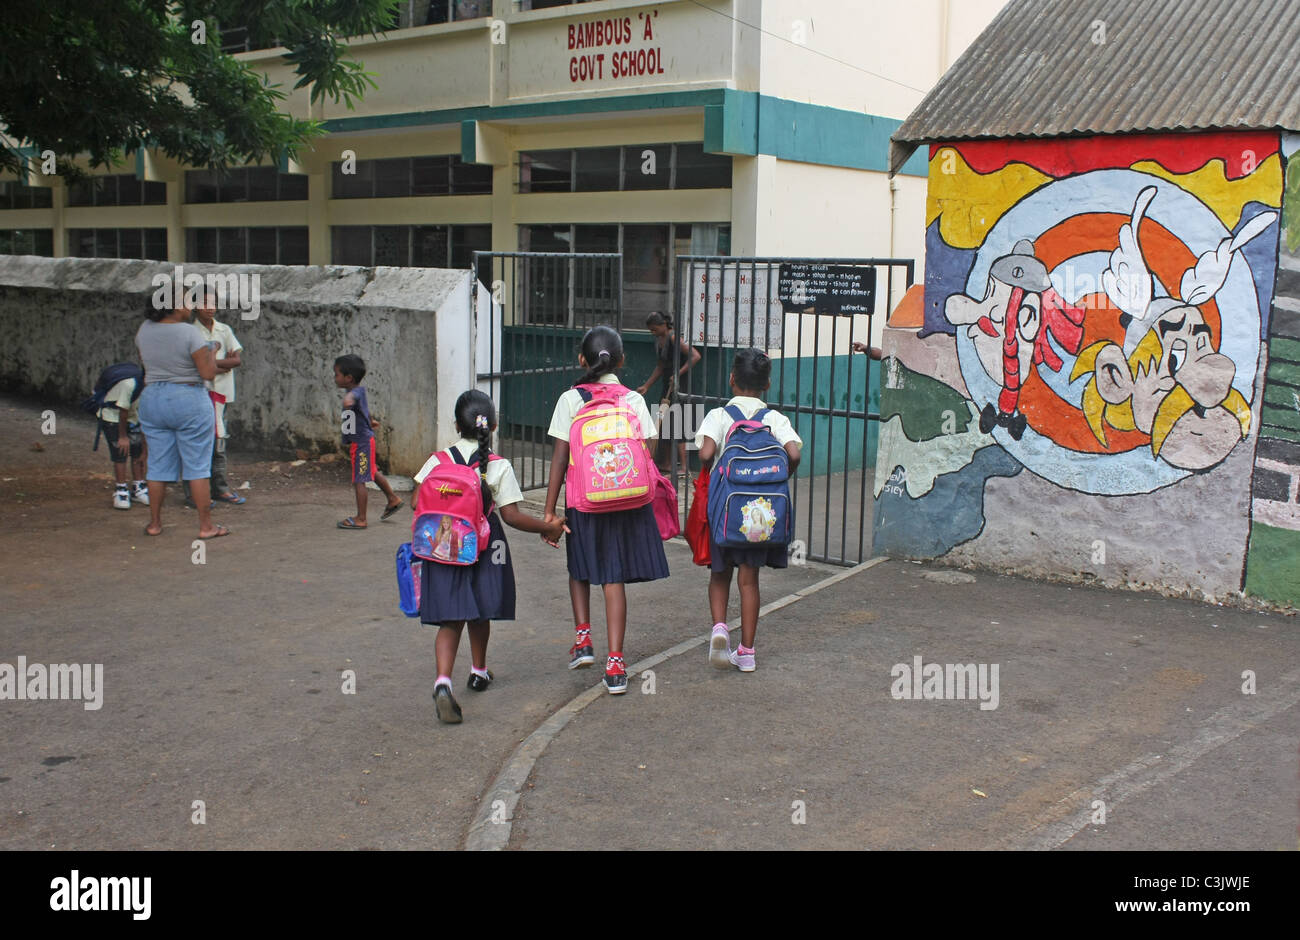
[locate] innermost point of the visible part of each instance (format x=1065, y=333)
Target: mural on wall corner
x=1107, y=301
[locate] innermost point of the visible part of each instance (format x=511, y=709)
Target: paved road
x=223, y=683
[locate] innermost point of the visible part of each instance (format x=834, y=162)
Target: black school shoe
x=445, y=702
x=477, y=683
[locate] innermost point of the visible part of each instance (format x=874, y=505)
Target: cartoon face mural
x=1156, y=313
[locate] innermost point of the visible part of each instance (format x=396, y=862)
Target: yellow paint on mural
x=968, y=203
x=1225, y=197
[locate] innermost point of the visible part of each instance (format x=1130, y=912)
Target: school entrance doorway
x=534, y=307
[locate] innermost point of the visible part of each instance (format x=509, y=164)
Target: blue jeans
x=179, y=426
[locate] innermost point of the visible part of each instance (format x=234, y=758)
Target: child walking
x=606, y=548
x=751, y=375
x=452, y=596
x=359, y=438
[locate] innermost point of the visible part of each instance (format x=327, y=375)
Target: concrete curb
x=502, y=797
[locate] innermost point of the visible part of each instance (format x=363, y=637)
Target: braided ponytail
x=484, y=445
x=475, y=418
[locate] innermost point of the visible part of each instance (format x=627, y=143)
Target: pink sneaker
x=743, y=662
x=720, y=647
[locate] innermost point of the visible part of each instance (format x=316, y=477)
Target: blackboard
x=827, y=288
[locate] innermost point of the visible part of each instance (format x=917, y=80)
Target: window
x=649, y=266
x=122, y=189
x=28, y=241
x=427, y=246
x=547, y=4
x=244, y=184
x=546, y=171
x=256, y=245
x=411, y=176
x=15, y=195
x=429, y=12
x=236, y=39
x=148, y=243
x=635, y=167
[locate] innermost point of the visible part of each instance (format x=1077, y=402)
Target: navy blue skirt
x=720, y=559
x=615, y=547
x=482, y=591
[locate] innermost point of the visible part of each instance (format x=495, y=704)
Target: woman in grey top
x=176, y=412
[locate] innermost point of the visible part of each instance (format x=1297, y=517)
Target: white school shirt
x=717, y=422
x=224, y=383
x=500, y=474
x=570, y=403
x=118, y=397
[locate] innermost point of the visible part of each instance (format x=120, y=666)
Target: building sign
x=669, y=44
x=613, y=48
x=737, y=305
x=827, y=288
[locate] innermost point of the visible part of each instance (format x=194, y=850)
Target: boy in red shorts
x=359, y=438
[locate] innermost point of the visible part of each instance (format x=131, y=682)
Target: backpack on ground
x=749, y=489
x=117, y=372
x=451, y=513
x=609, y=466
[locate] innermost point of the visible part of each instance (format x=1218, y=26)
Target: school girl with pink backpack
x=465, y=568
x=603, y=433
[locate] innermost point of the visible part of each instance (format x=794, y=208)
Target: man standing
x=226, y=349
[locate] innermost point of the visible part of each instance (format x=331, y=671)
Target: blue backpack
x=408, y=580
x=749, y=489
x=104, y=384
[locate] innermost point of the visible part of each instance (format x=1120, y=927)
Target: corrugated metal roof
x=1049, y=68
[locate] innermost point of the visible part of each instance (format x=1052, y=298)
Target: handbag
x=697, y=521
x=665, y=503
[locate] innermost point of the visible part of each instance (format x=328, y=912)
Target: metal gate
x=532, y=310
x=805, y=313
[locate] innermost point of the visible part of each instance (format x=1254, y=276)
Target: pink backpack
x=451, y=510
x=609, y=467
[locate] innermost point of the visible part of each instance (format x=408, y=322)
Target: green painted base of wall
x=1273, y=564
x=832, y=444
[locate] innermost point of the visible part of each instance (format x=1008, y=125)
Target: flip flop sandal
x=350, y=523
x=233, y=498
x=389, y=510
x=221, y=531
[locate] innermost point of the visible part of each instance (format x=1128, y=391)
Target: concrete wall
x=1113, y=437
x=65, y=319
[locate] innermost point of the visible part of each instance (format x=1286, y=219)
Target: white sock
x=481, y=673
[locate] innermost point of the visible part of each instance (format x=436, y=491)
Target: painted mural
x=1107, y=305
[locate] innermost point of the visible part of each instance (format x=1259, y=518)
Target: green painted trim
x=1270, y=568
x=740, y=123
x=810, y=133
x=732, y=127
x=139, y=164
x=468, y=141
x=652, y=102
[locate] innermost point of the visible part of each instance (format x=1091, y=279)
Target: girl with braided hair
x=451, y=596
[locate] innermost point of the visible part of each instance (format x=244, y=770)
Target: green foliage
x=106, y=78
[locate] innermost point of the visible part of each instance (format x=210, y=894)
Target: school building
x=650, y=129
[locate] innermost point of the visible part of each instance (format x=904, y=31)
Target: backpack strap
x=484, y=491
x=585, y=393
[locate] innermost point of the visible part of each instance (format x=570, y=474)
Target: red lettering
x=589, y=31
x=573, y=69
x=570, y=35
x=647, y=33
x=627, y=29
